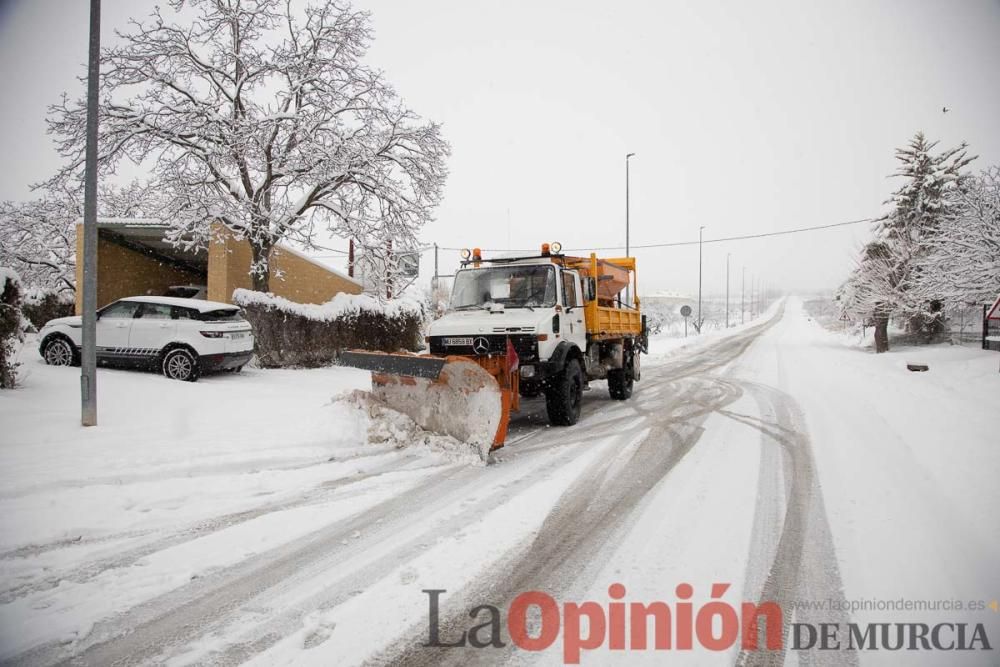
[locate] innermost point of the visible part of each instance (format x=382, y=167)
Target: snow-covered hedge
x=11, y=328
x=300, y=334
x=40, y=305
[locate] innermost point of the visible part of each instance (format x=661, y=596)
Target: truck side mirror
x=589, y=289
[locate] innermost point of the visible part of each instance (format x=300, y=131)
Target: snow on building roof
x=128, y=222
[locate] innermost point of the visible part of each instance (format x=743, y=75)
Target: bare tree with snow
x=872, y=292
x=267, y=121
x=962, y=261
x=38, y=237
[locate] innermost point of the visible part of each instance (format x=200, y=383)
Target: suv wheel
x=59, y=352
x=180, y=364
x=565, y=396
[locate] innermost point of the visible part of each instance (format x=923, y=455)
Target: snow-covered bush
x=298, y=334
x=11, y=327
x=40, y=305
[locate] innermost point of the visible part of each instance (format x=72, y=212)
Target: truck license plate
x=458, y=341
x=238, y=335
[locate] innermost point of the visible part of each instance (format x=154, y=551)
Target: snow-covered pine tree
x=910, y=230
x=261, y=115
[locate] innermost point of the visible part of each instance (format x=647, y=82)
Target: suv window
x=569, y=289
x=121, y=310
x=221, y=315
x=185, y=313
x=154, y=311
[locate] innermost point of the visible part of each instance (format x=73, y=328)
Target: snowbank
x=387, y=426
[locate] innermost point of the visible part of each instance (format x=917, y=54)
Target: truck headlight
x=527, y=371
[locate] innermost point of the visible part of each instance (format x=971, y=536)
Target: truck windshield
x=512, y=286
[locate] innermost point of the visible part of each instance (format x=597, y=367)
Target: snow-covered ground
x=246, y=517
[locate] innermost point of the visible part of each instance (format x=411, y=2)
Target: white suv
x=182, y=337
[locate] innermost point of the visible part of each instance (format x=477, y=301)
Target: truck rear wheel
x=564, y=397
x=621, y=381
x=620, y=384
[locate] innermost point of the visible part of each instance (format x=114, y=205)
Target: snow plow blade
x=457, y=396
x=408, y=365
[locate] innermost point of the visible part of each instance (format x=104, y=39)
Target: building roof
x=200, y=305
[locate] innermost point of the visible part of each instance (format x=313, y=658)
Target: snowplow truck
x=546, y=324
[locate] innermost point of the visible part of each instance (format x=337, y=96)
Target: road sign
x=686, y=313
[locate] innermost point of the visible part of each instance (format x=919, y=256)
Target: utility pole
x=434, y=285
x=743, y=291
x=388, y=270
x=755, y=292
x=628, y=288
x=727, y=288
x=88, y=355
x=700, y=230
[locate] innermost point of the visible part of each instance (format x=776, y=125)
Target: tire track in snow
x=247, y=467
x=796, y=552
x=582, y=528
x=174, y=619
x=318, y=494
x=169, y=622
x=31, y=550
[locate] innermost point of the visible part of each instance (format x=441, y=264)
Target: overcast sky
x=746, y=117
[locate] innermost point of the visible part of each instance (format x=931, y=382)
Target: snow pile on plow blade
x=453, y=396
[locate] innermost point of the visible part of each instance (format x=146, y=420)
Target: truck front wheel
x=564, y=396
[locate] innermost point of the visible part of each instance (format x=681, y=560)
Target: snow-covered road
x=245, y=520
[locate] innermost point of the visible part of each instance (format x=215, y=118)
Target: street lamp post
x=628, y=288
x=627, y=156
x=88, y=353
x=743, y=292
x=728, y=254
x=700, y=321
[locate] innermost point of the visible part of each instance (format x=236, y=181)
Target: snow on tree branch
x=962, y=263
x=266, y=120
x=38, y=237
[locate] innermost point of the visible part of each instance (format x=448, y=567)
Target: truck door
x=574, y=329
